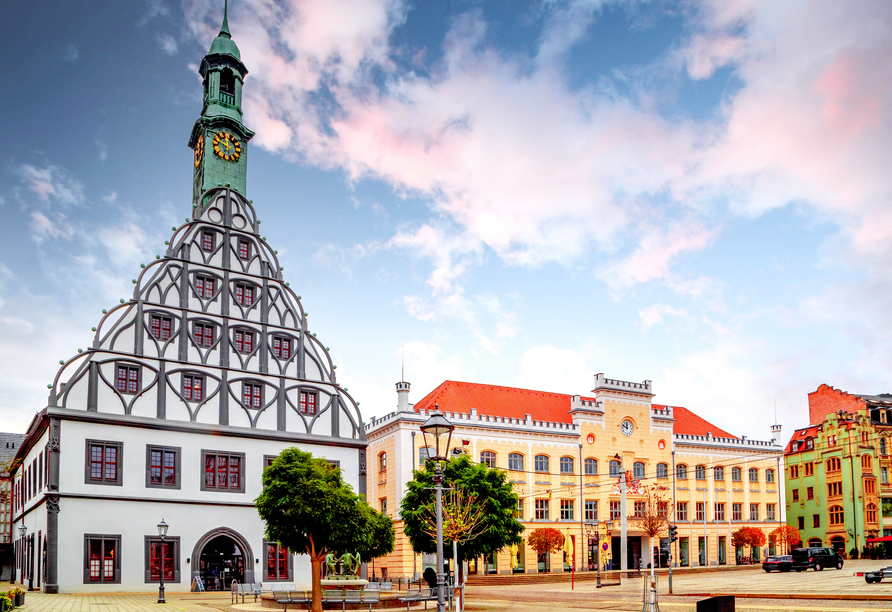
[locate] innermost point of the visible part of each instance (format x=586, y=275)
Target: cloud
x=71, y=53
x=45, y=228
x=50, y=184
x=652, y=315
x=556, y=369
x=167, y=44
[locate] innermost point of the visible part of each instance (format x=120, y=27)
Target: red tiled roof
x=686, y=422
x=800, y=434
x=493, y=400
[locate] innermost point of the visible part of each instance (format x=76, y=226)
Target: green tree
x=308, y=507
x=496, y=528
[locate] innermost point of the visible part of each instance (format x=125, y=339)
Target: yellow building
x=564, y=455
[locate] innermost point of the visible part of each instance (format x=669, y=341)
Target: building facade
x=838, y=490
x=185, y=394
x=565, y=455
x=9, y=445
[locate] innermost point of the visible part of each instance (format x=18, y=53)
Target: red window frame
x=160, y=327
x=204, y=334
x=163, y=467
x=193, y=387
x=204, y=286
x=207, y=241
x=281, y=347
x=244, y=341
x=244, y=294
x=104, y=462
x=156, y=549
x=102, y=552
x=244, y=249
x=222, y=471
x=308, y=403
x=252, y=395
x=127, y=378
x=276, y=561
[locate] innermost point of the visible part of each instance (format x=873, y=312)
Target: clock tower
x=219, y=138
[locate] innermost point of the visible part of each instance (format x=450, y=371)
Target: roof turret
x=223, y=44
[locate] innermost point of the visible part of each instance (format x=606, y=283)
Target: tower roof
x=223, y=44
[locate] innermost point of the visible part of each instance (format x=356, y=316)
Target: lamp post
x=22, y=531
x=162, y=532
x=593, y=531
x=432, y=430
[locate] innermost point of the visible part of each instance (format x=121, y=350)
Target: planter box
x=19, y=600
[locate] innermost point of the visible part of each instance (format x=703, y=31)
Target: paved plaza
x=828, y=591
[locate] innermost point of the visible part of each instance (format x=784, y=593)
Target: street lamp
x=433, y=430
x=162, y=532
x=593, y=531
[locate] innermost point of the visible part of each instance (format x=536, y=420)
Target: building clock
x=627, y=427
x=226, y=146
x=199, y=150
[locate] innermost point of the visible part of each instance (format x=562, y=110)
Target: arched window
x=736, y=474
x=423, y=454
x=769, y=475
x=662, y=470
x=814, y=542
x=754, y=475
x=515, y=462
x=700, y=472
x=866, y=462
x=227, y=86
x=837, y=515
x=541, y=463
x=871, y=513
x=591, y=467
x=834, y=464
x=718, y=473
x=882, y=446
x=681, y=471
x=615, y=469
x=382, y=462
x=566, y=465
x=638, y=470
x=489, y=458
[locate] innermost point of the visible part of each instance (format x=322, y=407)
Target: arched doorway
x=838, y=544
x=815, y=542
x=221, y=556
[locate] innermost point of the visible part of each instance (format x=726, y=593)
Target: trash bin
x=722, y=603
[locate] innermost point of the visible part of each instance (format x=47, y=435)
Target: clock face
x=199, y=150
x=627, y=427
x=226, y=146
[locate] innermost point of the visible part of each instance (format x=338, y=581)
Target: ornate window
x=244, y=249
x=866, y=462
x=252, y=395
x=160, y=327
x=736, y=474
x=662, y=470
x=638, y=470
x=769, y=475
x=871, y=513
x=718, y=473
x=204, y=286
x=278, y=561
x=615, y=467
x=102, y=559
x=281, y=347
x=222, y=471
x=203, y=334
x=541, y=463
x=566, y=465
x=127, y=378
x=870, y=486
x=681, y=471
x=243, y=341
x=834, y=489
x=193, y=387
x=700, y=472
x=382, y=462
x=163, y=554
x=834, y=464
x=207, y=241
x=245, y=294
x=104, y=462
x=308, y=404
x=541, y=509
x=882, y=446
x=489, y=458
x=591, y=467
x=837, y=515
x=515, y=462
x=163, y=463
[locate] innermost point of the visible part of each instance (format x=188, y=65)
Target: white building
x=187, y=391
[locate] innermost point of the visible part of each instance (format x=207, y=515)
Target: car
x=876, y=575
x=780, y=563
x=816, y=557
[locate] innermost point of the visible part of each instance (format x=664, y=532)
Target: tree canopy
x=308, y=508
x=545, y=540
x=785, y=537
x=498, y=527
x=748, y=536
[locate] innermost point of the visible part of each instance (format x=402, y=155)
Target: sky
x=519, y=193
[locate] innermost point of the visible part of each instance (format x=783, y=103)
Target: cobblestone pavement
x=780, y=593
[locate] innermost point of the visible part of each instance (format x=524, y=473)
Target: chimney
x=402, y=396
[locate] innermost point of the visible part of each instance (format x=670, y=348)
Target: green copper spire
x=219, y=138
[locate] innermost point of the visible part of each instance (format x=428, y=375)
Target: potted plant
x=5, y=602
x=18, y=597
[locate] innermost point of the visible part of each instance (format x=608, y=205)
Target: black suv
x=817, y=558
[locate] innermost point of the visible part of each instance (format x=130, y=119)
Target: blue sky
x=515, y=193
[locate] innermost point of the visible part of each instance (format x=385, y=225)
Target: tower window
x=227, y=87
x=128, y=379
x=204, y=334
x=307, y=403
x=252, y=395
x=193, y=387
x=281, y=347
x=244, y=248
x=244, y=294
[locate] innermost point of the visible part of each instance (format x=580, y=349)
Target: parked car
x=780, y=563
x=876, y=575
x=817, y=558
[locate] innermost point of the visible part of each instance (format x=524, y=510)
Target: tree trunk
x=651, y=540
x=316, y=561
